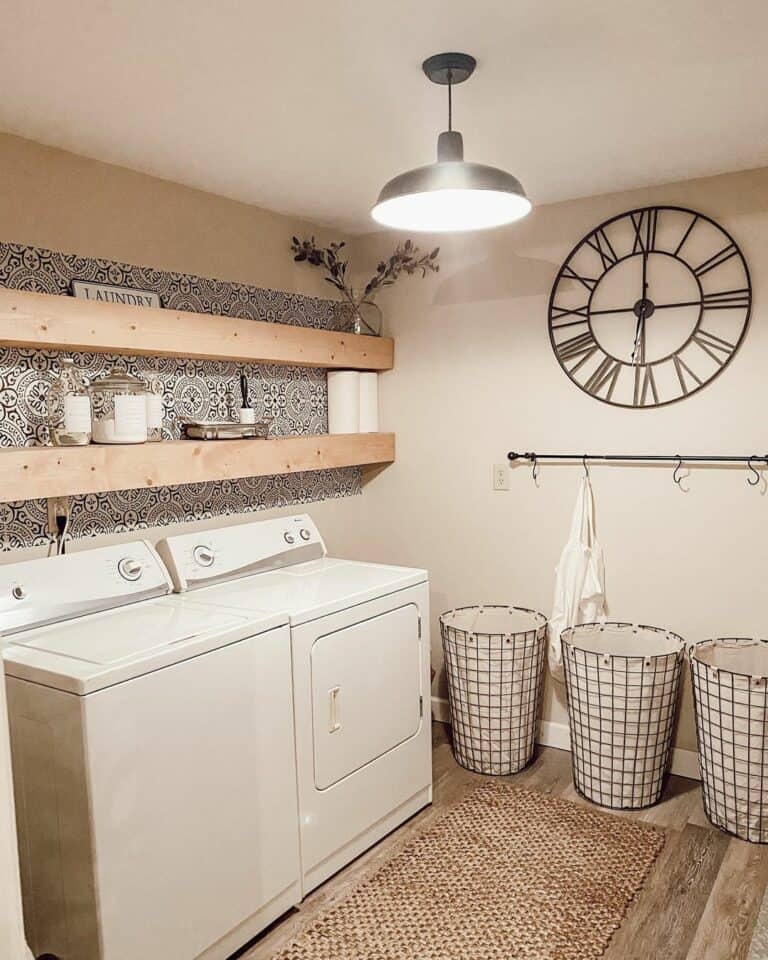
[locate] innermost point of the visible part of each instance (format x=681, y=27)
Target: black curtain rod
x=641, y=457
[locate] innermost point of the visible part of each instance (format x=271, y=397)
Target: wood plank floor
x=699, y=903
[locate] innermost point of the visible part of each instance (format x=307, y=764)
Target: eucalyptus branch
x=407, y=258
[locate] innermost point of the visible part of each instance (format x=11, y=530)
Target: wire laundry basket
x=494, y=656
x=730, y=699
x=622, y=683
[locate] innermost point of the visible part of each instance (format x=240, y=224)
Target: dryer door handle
x=334, y=712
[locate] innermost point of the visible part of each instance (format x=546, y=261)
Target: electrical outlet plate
x=501, y=476
x=57, y=507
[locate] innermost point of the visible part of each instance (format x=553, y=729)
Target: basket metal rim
x=570, y=632
x=541, y=620
x=698, y=664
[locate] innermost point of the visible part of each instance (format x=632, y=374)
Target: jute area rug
x=504, y=874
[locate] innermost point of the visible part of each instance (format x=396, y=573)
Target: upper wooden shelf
x=65, y=323
x=30, y=473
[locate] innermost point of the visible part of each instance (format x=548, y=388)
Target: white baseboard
x=440, y=710
x=685, y=763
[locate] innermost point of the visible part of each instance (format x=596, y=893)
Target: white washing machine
x=153, y=758
x=359, y=637
x=12, y=943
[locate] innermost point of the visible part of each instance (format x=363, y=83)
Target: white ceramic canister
x=119, y=402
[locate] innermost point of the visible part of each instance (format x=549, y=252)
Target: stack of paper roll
x=353, y=402
x=369, y=402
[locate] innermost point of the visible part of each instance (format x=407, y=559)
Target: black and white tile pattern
x=295, y=398
x=46, y=271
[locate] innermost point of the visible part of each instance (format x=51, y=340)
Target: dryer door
x=366, y=692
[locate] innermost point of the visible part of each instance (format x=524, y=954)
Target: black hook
x=750, y=481
x=675, y=476
x=534, y=468
x=586, y=468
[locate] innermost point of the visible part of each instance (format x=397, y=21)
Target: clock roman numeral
x=599, y=241
x=570, y=274
x=580, y=348
x=718, y=349
x=717, y=259
x=559, y=317
x=687, y=234
x=727, y=299
x=645, y=386
x=645, y=223
x=607, y=373
x=682, y=370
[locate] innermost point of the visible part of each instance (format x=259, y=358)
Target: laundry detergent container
x=494, y=657
x=730, y=696
x=622, y=685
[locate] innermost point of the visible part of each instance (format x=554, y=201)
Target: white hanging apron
x=579, y=578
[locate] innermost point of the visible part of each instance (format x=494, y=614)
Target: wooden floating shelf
x=30, y=473
x=44, y=320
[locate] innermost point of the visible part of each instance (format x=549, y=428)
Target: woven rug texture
x=506, y=873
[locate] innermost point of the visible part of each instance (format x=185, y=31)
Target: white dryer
x=153, y=758
x=359, y=637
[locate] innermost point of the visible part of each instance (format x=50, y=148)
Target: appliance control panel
x=48, y=590
x=211, y=556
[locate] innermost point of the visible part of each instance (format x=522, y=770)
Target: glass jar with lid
x=119, y=402
x=154, y=398
x=68, y=407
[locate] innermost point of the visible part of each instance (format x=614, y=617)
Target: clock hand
x=640, y=330
x=641, y=312
x=670, y=306
x=640, y=326
x=645, y=275
x=656, y=306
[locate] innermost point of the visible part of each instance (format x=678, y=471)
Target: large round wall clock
x=650, y=307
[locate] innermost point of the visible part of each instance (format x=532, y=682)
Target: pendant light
x=452, y=194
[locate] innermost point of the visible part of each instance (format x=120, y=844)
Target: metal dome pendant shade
x=452, y=194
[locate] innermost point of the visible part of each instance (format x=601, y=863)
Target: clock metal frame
x=644, y=221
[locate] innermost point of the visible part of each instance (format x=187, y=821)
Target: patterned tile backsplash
x=296, y=398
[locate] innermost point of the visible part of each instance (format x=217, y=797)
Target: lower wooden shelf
x=31, y=473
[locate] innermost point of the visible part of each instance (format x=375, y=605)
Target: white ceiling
x=308, y=106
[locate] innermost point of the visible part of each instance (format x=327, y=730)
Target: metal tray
x=224, y=430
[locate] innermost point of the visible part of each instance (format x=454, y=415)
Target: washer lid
x=315, y=588
x=87, y=654
x=52, y=589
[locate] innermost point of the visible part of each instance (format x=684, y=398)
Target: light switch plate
x=501, y=476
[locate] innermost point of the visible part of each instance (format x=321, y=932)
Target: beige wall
x=475, y=376
x=56, y=199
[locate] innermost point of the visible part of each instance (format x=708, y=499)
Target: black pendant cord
x=747, y=460
x=450, y=101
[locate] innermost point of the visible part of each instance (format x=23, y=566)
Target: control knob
x=129, y=569
x=289, y=537
x=305, y=534
x=203, y=556
x=18, y=592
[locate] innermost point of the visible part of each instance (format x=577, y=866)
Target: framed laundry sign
x=109, y=293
